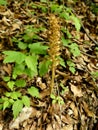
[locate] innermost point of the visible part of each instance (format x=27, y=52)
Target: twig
x=95, y=42
x=87, y=54
x=83, y=51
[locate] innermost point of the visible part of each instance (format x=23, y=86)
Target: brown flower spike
x=54, y=45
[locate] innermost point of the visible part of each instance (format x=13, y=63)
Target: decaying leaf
x=76, y=90
x=49, y=127
x=86, y=109
x=68, y=127
x=24, y=115
x=75, y=110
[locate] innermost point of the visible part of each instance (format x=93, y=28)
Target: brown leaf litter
x=80, y=108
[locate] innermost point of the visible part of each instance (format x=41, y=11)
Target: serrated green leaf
x=33, y=91
x=65, y=15
x=44, y=1
x=22, y=45
x=6, y=78
x=20, y=83
x=71, y=66
x=17, y=107
x=30, y=33
x=56, y=8
x=95, y=74
x=15, y=95
x=72, y=69
x=18, y=70
x=44, y=67
x=37, y=48
x=6, y=104
x=26, y=101
x=8, y=94
x=54, y=101
x=31, y=62
x=1, y=100
x=4, y=99
x=1, y=106
x=65, y=41
x=74, y=49
x=11, y=101
x=76, y=22
x=53, y=96
x=29, y=72
x=3, y=2
x=62, y=62
x=70, y=63
x=11, y=84
x=14, y=56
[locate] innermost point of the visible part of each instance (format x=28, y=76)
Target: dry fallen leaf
x=86, y=109
x=49, y=127
x=1, y=126
x=8, y=69
x=7, y=13
x=75, y=110
x=6, y=21
x=76, y=90
x=68, y=127
x=24, y=115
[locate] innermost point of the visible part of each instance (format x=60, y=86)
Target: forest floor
x=75, y=88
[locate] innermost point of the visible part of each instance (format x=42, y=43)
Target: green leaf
x=54, y=101
x=53, y=96
x=37, y=48
x=68, y=34
x=18, y=70
x=56, y=8
x=74, y=49
x=31, y=62
x=8, y=94
x=95, y=74
x=33, y=91
x=3, y=2
x=66, y=31
x=42, y=8
x=44, y=1
x=70, y=63
x=76, y=22
x=6, y=104
x=11, y=101
x=62, y=62
x=17, y=107
x=20, y=83
x=1, y=100
x=65, y=42
x=5, y=99
x=6, y=78
x=26, y=101
x=29, y=72
x=15, y=95
x=1, y=106
x=64, y=15
x=14, y=56
x=44, y=67
x=71, y=66
x=72, y=69
x=30, y=33
x=11, y=84
x=22, y=45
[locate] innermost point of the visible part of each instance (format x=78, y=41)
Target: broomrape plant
x=54, y=45
x=34, y=58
